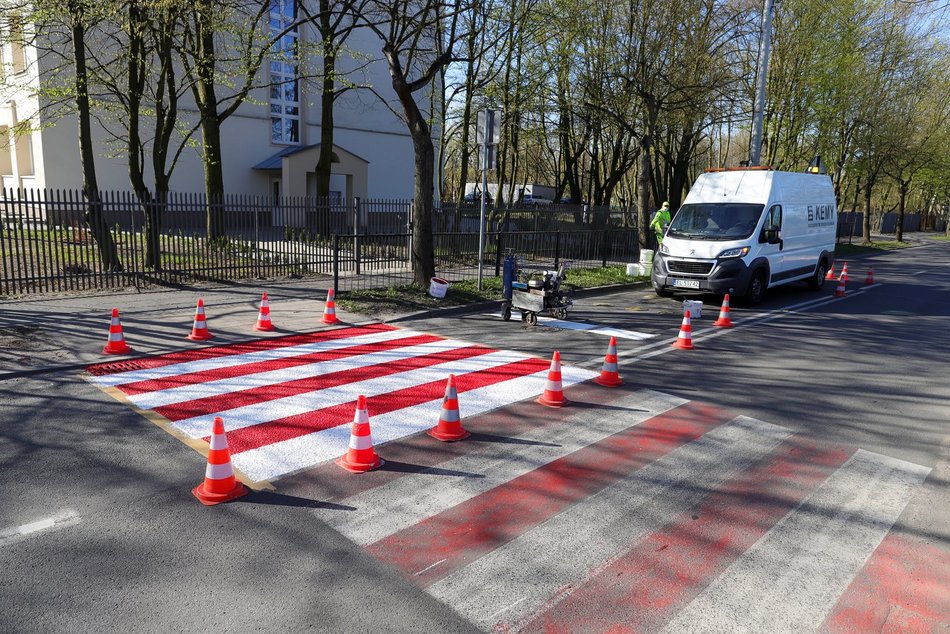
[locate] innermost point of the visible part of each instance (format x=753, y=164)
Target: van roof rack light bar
x=744, y=168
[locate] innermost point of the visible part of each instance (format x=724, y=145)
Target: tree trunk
x=327, y=98
x=866, y=229
x=108, y=255
x=904, y=186
x=214, y=177
x=643, y=188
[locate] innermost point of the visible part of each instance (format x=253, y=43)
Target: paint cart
x=534, y=289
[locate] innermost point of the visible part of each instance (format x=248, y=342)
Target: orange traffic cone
x=263, y=316
x=609, y=376
x=841, y=291
x=219, y=484
x=116, y=343
x=450, y=423
x=360, y=457
x=553, y=390
x=329, y=311
x=844, y=271
x=724, y=321
x=831, y=273
x=684, y=341
x=870, y=277
x=199, y=332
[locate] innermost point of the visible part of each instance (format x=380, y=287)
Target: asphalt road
x=99, y=529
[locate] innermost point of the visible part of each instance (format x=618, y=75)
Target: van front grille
x=692, y=268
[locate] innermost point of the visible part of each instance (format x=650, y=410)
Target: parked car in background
x=530, y=199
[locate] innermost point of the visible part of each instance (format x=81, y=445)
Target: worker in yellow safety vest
x=661, y=220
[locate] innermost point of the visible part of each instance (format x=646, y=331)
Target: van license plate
x=686, y=283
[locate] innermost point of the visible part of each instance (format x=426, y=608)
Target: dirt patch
x=29, y=347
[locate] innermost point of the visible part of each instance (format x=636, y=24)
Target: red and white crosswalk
x=287, y=403
x=663, y=515
x=635, y=512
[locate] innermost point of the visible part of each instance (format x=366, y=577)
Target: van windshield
x=715, y=221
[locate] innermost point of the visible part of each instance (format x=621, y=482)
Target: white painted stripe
x=593, y=328
x=286, y=457
x=263, y=412
x=194, y=391
x=361, y=442
x=204, y=365
x=792, y=577
x=387, y=509
x=219, y=471
x=564, y=551
x=14, y=534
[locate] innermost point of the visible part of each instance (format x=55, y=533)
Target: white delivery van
x=743, y=230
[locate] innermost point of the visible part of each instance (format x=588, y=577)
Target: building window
x=284, y=84
x=17, y=45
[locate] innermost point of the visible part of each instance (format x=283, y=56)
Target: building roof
x=274, y=162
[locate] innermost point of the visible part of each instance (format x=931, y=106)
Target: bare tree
x=418, y=40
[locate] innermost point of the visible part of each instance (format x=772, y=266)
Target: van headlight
x=663, y=249
x=738, y=252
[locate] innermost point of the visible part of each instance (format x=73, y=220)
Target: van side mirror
x=772, y=235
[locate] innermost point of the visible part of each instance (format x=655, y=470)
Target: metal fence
x=47, y=246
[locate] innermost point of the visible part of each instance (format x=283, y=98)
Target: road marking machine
x=534, y=289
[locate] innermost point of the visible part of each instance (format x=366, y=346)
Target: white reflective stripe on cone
x=115, y=336
x=219, y=441
x=219, y=471
x=450, y=416
x=361, y=442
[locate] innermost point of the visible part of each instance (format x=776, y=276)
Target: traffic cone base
x=609, y=376
x=724, y=321
x=219, y=484
x=209, y=498
x=199, y=331
x=684, y=341
x=329, y=310
x=449, y=437
x=263, y=316
x=116, y=342
x=449, y=428
x=359, y=467
x=553, y=395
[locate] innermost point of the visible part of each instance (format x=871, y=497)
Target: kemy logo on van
x=820, y=215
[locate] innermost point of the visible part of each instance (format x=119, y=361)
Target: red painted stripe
x=222, y=402
x=114, y=367
x=462, y=534
x=903, y=587
x=234, y=371
x=641, y=590
x=293, y=426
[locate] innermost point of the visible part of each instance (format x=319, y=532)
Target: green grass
x=408, y=298
x=873, y=247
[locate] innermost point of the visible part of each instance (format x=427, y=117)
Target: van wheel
x=756, y=290
x=816, y=281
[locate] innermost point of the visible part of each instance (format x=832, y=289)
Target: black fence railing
x=46, y=244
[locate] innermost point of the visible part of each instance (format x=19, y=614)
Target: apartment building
x=270, y=144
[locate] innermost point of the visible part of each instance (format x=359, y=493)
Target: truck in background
x=744, y=230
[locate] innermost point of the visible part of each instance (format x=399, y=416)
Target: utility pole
x=758, y=111
x=487, y=128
